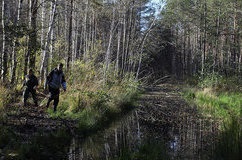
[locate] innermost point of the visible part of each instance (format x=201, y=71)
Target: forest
x=116, y=51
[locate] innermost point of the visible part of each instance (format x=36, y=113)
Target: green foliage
x=124, y=93
x=220, y=106
x=210, y=80
x=91, y=100
x=220, y=98
x=189, y=94
x=5, y=98
x=216, y=96
x=215, y=82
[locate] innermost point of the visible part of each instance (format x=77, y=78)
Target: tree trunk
x=45, y=54
x=141, y=47
x=108, y=52
x=69, y=55
x=118, y=51
x=32, y=47
x=15, y=41
x=4, y=56
x=42, y=24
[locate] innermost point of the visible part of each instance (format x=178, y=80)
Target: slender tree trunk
x=141, y=47
x=204, y=36
x=4, y=56
x=189, y=52
x=184, y=51
x=3, y=39
x=108, y=52
x=85, y=35
x=75, y=35
x=14, y=57
x=45, y=57
x=70, y=38
x=215, y=61
x=118, y=52
x=123, y=41
x=32, y=48
x=42, y=24
x=127, y=41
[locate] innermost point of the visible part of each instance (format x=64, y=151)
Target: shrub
x=4, y=99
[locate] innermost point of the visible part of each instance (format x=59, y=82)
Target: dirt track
x=162, y=108
x=34, y=118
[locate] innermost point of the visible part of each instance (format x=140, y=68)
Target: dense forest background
x=206, y=35
x=38, y=34
x=187, y=37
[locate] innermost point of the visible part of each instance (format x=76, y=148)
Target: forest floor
x=161, y=106
x=34, y=118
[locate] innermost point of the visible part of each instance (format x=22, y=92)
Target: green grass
x=220, y=106
x=5, y=98
x=221, y=99
x=93, y=101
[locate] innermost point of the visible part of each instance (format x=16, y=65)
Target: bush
x=92, y=98
x=4, y=99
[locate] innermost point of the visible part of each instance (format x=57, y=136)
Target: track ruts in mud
x=34, y=118
x=163, y=110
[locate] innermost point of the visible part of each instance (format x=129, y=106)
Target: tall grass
x=222, y=105
x=220, y=98
x=93, y=100
x=4, y=99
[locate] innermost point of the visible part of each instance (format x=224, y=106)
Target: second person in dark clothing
x=56, y=79
x=31, y=83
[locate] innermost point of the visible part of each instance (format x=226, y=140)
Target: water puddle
x=128, y=138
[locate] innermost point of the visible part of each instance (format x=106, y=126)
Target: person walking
x=55, y=80
x=31, y=83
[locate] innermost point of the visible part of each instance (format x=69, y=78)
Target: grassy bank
x=220, y=98
x=93, y=98
x=94, y=101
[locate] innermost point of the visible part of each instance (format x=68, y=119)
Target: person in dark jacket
x=56, y=80
x=31, y=83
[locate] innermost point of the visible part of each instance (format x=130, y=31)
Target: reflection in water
x=174, y=144
x=129, y=138
x=28, y=145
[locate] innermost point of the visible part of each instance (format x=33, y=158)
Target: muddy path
x=161, y=115
x=34, y=118
x=188, y=134
x=160, y=105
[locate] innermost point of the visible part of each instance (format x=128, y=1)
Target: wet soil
x=188, y=133
x=34, y=119
x=161, y=116
x=160, y=105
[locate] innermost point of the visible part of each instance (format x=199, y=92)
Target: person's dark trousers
x=54, y=95
x=26, y=95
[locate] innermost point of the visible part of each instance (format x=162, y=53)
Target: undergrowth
x=220, y=98
x=5, y=99
x=93, y=100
